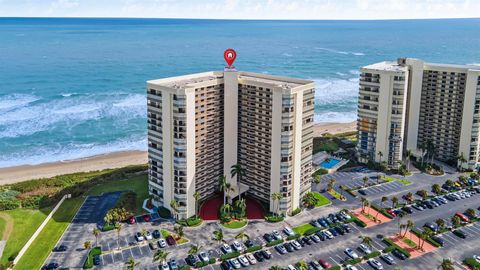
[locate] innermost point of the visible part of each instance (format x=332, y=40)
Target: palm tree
x=364, y=203
x=174, y=206
x=424, y=194
x=96, y=233
x=179, y=231
x=446, y=264
x=365, y=181
x=409, y=156
x=160, y=255
x=222, y=186
x=242, y=235
x=471, y=212
x=366, y=240
x=461, y=158
x=130, y=264
x=408, y=226
x=436, y=189
x=456, y=221
x=409, y=197
x=302, y=265
x=382, y=202
x=118, y=228
x=87, y=245
x=218, y=235
x=227, y=208
x=394, y=200
x=237, y=170
x=440, y=223
x=194, y=249
x=276, y=196
x=380, y=154
x=197, y=197
x=331, y=183
x=399, y=217
x=425, y=235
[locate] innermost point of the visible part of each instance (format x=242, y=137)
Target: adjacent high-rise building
x=200, y=125
x=409, y=104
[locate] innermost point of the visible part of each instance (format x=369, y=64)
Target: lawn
x=409, y=242
x=302, y=228
x=388, y=178
x=25, y=222
x=46, y=240
x=235, y=224
x=324, y=144
x=321, y=200
x=337, y=195
x=404, y=182
x=137, y=184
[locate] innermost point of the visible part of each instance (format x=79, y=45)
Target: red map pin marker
x=229, y=56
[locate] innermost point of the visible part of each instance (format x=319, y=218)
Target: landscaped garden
x=314, y=199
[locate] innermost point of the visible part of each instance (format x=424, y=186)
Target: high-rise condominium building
x=409, y=104
x=200, y=125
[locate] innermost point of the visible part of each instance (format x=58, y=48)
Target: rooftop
x=386, y=66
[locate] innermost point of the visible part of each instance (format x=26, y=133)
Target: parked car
x=362, y=191
x=350, y=267
x=391, y=212
x=152, y=246
x=259, y=256
x=328, y=234
x=156, y=234
x=268, y=237
x=351, y=253
x=226, y=248
x=171, y=241
x=226, y=266
x=139, y=237
x=321, y=236
x=366, y=249
x=281, y=249
x=315, y=265
x=249, y=243
x=148, y=235
x=235, y=263
x=296, y=245
x=315, y=223
x=306, y=240
x=419, y=207
x=191, y=259
x=173, y=264
x=399, y=254
x=288, y=231
x=315, y=238
x=323, y=222
x=324, y=263
x=276, y=235
x=164, y=266
x=375, y=264
x=431, y=226
x=407, y=209
x=291, y=267
x=438, y=240
x=462, y=217
x=346, y=228
x=251, y=259
x=289, y=247
x=388, y=259
x=96, y=260
x=203, y=256
x=460, y=233
x=147, y=218
x=49, y=266
x=237, y=246
x=266, y=254
x=333, y=231
x=161, y=243
x=243, y=261
x=60, y=248
x=131, y=220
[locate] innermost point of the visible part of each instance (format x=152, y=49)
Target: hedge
x=229, y=255
x=203, y=264
x=312, y=231
x=274, y=243
x=293, y=237
x=382, y=211
x=274, y=218
x=184, y=267
x=335, y=267
x=352, y=261
x=190, y=222
x=372, y=255
x=89, y=261
x=359, y=222
x=397, y=247
x=472, y=263
x=296, y=211
x=429, y=240
x=253, y=249
x=108, y=227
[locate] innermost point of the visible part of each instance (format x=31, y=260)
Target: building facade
x=415, y=105
x=200, y=125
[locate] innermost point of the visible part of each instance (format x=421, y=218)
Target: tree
x=366, y=240
x=382, y=204
x=160, y=255
x=239, y=172
x=222, y=186
x=409, y=197
x=276, y=197
x=130, y=264
x=423, y=193
x=87, y=245
x=365, y=203
x=242, y=235
x=96, y=233
x=380, y=154
x=118, y=228
x=440, y=223
x=461, y=158
x=400, y=227
x=179, y=231
x=309, y=200
x=194, y=249
x=425, y=235
x=218, y=235
x=365, y=181
x=331, y=183
x=174, y=206
x=471, y=212
x=409, y=156
x=302, y=265
x=410, y=224
x=394, y=200
x=197, y=197
x=116, y=214
x=436, y=189
x=456, y=221
x=446, y=264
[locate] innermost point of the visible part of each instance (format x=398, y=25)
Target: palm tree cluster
x=237, y=210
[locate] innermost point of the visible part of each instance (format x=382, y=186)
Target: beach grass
x=25, y=222
x=46, y=240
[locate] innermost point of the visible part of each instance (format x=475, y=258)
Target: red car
x=391, y=212
x=147, y=218
x=462, y=217
x=131, y=220
x=324, y=263
x=171, y=241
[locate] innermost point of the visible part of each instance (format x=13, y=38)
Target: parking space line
x=375, y=242
x=475, y=229
x=334, y=260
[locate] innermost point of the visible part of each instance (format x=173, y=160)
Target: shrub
x=429, y=240
x=89, y=261
x=274, y=243
x=228, y=256
x=274, y=218
x=9, y=204
x=359, y=222
x=312, y=231
x=382, y=211
x=164, y=212
x=372, y=255
x=108, y=227
x=190, y=222
x=472, y=263
x=397, y=247
x=293, y=237
x=352, y=261
x=253, y=249
x=296, y=211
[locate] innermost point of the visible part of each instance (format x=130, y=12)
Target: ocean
x=73, y=88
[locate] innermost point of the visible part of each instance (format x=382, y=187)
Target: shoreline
x=15, y=174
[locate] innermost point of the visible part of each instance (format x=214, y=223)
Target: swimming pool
x=332, y=162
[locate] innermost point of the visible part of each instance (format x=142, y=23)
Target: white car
x=288, y=231
x=164, y=266
x=234, y=262
x=148, y=235
x=291, y=267
x=477, y=258
x=251, y=259
x=277, y=235
x=328, y=234
x=237, y=246
x=351, y=253
x=375, y=264
x=351, y=267
x=243, y=261
x=296, y=245
x=226, y=248
x=161, y=243
x=203, y=256
x=139, y=237
x=365, y=249
x=345, y=215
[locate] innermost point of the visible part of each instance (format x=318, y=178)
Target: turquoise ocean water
x=72, y=88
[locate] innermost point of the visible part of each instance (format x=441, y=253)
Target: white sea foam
x=286, y=54
x=335, y=117
x=336, y=100
x=339, y=52
x=8, y=102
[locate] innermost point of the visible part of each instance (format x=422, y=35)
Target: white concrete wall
x=167, y=148
x=230, y=125
x=384, y=115
x=415, y=82
x=297, y=150
x=190, y=159
x=467, y=118
x=275, y=180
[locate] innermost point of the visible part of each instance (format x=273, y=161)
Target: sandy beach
x=116, y=160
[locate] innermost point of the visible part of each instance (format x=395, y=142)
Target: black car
x=156, y=234
x=399, y=254
x=429, y=205
x=249, y=243
x=321, y=235
x=362, y=191
x=60, y=248
x=333, y=231
x=340, y=230
x=306, y=240
x=346, y=228
x=460, y=234
x=438, y=240
x=191, y=260
x=266, y=254
x=226, y=266
x=301, y=241
x=96, y=260
x=52, y=265
x=431, y=226
x=289, y=247
x=407, y=209
x=259, y=256
x=268, y=237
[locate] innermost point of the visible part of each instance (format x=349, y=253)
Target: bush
x=293, y=237
x=89, y=261
x=312, y=231
x=382, y=211
x=9, y=204
x=228, y=256
x=372, y=255
x=164, y=212
x=472, y=263
x=274, y=218
x=391, y=243
x=190, y=222
x=296, y=211
x=429, y=240
x=359, y=222
x=274, y=243
x=352, y=261
x=108, y=227
x=253, y=249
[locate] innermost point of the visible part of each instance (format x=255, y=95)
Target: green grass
x=324, y=144
x=302, y=228
x=2, y=226
x=337, y=195
x=25, y=222
x=322, y=200
x=409, y=242
x=235, y=224
x=46, y=240
x=404, y=182
x=388, y=178
x=137, y=184
x=89, y=261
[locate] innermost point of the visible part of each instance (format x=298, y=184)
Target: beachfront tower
x=200, y=125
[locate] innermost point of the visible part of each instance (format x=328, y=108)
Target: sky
x=244, y=9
